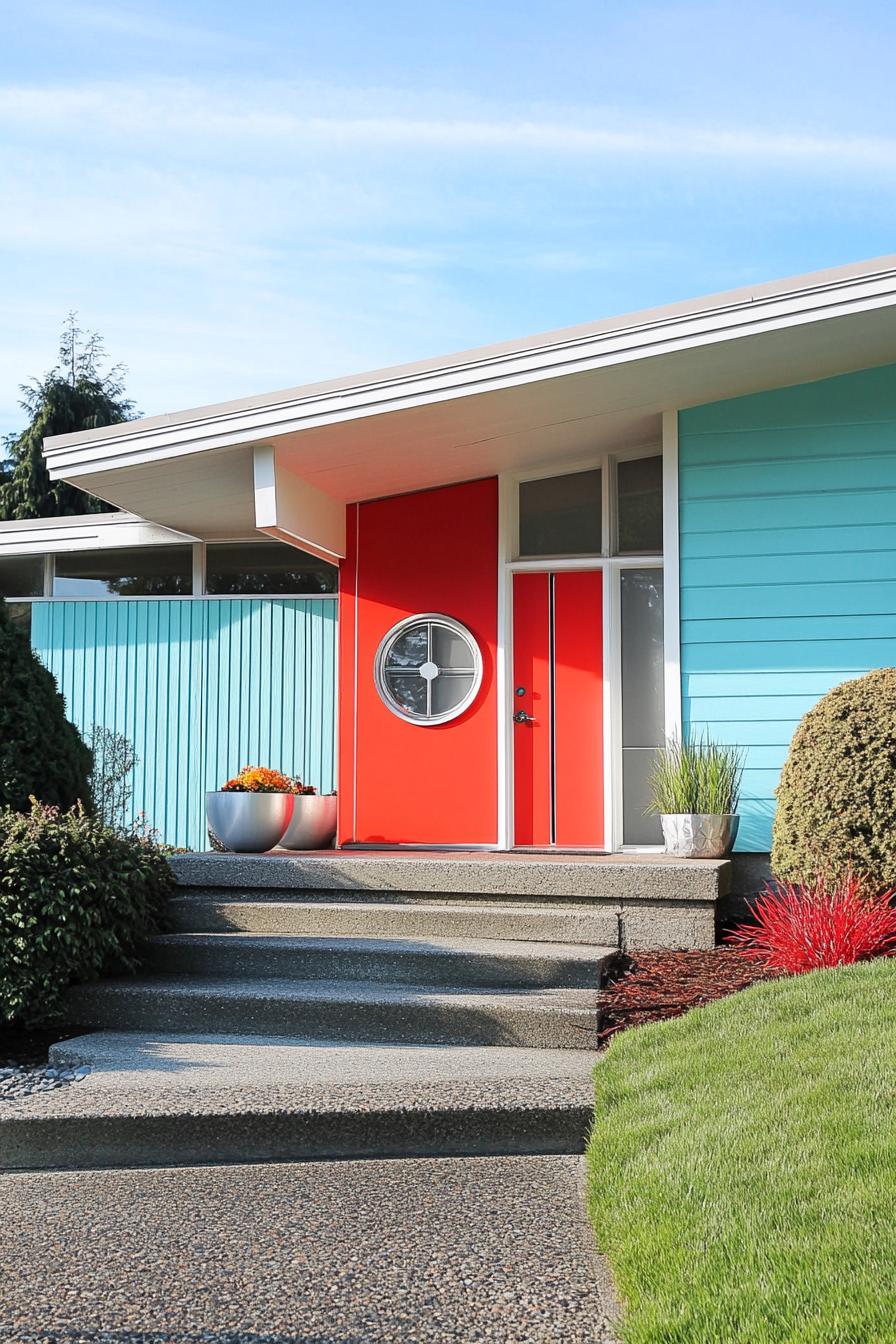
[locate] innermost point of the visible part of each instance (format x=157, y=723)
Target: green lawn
x=743, y=1166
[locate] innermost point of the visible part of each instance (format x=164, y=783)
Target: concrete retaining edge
x=76, y=1143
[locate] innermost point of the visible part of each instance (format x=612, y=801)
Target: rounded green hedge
x=77, y=898
x=41, y=753
x=837, y=794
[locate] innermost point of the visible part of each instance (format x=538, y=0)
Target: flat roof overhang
x=285, y=464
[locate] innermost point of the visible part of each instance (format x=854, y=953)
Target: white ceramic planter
x=313, y=824
x=249, y=823
x=699, y=835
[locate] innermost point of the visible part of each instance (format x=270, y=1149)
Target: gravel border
x=29, y=1080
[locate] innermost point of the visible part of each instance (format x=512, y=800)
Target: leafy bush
x=41, y=753
x=696, y=775
x=114, y=761
x=837, y=794
x=76, y=899
x=827, y=923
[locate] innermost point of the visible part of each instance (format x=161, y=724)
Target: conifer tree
x=76, y=394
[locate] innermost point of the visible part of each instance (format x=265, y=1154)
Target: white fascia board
x=85, y=532
x=744, y=314
x=288, y=508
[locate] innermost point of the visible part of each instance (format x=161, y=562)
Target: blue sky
x=244, y=197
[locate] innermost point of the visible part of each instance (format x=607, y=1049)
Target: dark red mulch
x=651, y=986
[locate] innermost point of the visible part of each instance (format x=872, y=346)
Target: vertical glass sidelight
x=643, y=699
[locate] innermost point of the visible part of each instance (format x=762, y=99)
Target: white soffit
x=515, y=406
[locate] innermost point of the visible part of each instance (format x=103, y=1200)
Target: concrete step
x=166, y=1100
x=544, y=876
x=396, y=918
x=347, y=1010
x=635, y=901
x=443, y=962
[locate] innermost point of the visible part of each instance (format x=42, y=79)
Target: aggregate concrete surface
x=585, y=876
x=417, y=1250
x=163, y=1060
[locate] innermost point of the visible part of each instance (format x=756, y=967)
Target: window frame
x=612, y=564
x=53, y=557
x=380, y=673
x=198, y=549
x=606, y=463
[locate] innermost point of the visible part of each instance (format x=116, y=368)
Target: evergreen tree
x=75, y=395
x=41, y=753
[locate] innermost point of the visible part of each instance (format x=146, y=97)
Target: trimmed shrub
x=76, y=900
x=837, y=796
x=41, y=753
x=826, y=923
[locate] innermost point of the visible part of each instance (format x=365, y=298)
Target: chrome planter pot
x=313, y=824
x=248, y=823
x=699, y=835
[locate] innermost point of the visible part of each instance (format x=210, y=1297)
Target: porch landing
x=633, y=901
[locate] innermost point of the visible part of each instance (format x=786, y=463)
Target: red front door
x=413, y=783
x=558, y=758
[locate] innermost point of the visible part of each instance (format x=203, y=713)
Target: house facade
x=476, y=594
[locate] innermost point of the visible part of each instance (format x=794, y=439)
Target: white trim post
x=671, y=581
x=198, y=568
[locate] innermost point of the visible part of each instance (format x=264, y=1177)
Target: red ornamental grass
x=831, y=922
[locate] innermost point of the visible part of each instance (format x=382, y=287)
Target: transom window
x=265, y=567
x=22, y=576
x=562, y=515
x=615, y=509
x=144, y=571
x=428, y=669
x=238, y=569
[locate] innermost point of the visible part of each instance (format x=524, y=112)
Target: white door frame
x=611, y=565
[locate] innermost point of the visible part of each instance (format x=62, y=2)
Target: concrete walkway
x=435, y=1249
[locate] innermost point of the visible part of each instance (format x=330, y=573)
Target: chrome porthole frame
x=428, y=669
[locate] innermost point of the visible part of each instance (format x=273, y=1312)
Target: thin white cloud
x=147, y=27
x=230, y=240
x=278, y=116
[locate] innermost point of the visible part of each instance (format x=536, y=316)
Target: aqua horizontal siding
x=200, y=688
x=787, y=512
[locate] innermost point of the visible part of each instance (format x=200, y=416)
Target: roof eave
x=717, y=319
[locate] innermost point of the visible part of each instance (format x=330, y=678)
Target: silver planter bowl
x=699, y=835
x=248, y=823
x=313, y=824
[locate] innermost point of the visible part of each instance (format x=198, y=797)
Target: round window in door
x=428, y=669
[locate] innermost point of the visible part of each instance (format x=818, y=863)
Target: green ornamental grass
x=696, y=775
x=742, y=1178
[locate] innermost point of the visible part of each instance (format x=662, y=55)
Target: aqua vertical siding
x=788, y=562
x=200, y=688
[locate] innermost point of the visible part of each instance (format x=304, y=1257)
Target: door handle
x=522, y=717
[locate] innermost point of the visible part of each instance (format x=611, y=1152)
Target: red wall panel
x=403, y=783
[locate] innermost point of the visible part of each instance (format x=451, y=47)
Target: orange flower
x=259, y=779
